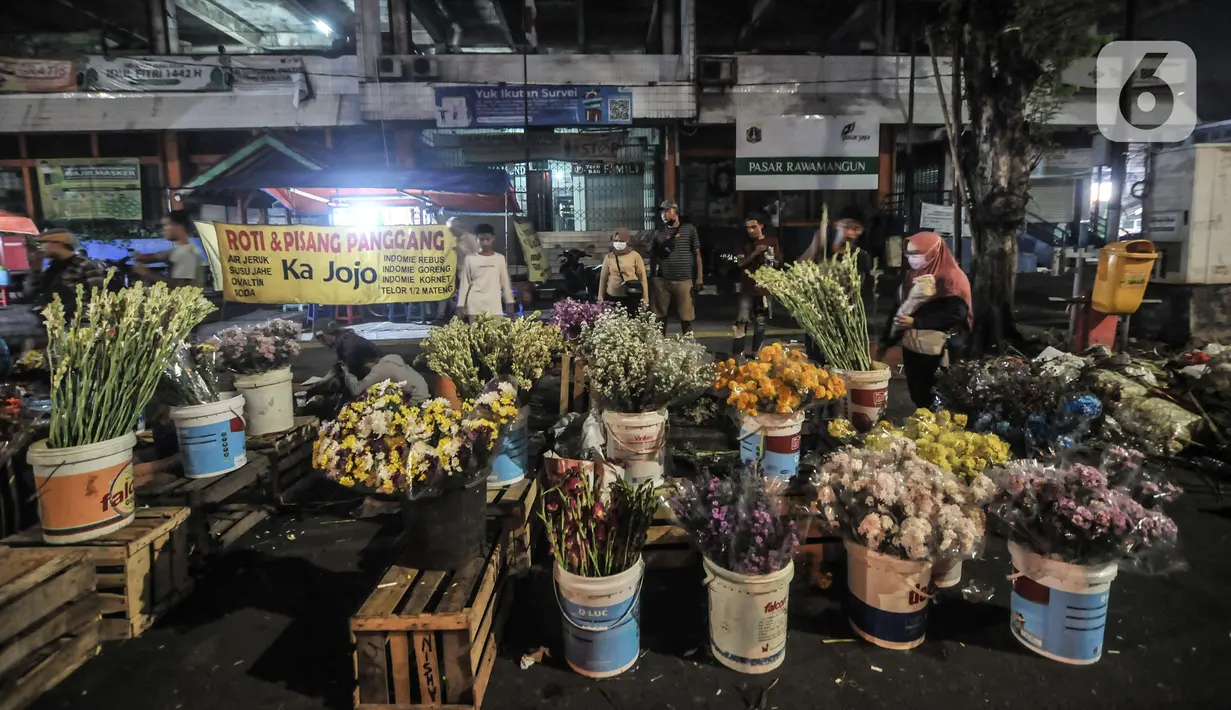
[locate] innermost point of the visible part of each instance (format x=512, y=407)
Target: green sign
x=98, y=188
x=806, y=166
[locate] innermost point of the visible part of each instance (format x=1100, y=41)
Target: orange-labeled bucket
x=84, y=492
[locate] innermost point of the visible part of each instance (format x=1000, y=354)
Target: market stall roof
x=16, y=224
x=304, y=190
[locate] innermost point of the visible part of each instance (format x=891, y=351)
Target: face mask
x=917, y=261
x=619, y=246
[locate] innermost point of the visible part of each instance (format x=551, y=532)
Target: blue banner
x=515, y=105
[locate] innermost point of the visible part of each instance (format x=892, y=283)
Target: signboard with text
x=807, y=153
x=535, y=105
x=37, y=76
x=338, y=265
x=126, y=74
x=90, y=188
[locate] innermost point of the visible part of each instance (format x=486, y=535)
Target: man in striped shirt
x=676, y=261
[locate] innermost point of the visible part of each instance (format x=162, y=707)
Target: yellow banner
x=537, y=266
x=343, y=266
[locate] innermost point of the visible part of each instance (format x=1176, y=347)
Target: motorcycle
x=580, y=279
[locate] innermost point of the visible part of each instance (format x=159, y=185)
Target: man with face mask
x=676, y=263
x=67, y=269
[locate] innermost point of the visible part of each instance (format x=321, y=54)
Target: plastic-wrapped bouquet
x=633, y=367
x=448, y=352
x=897, y=503
x=1089, y=515
x=381, y=443
x=259, y=348
x=595, y=532
x=943, y=439
x=737, y=519
x=191, y=377
x=570, y=316
x=779, y=381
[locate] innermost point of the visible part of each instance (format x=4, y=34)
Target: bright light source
x=323, y=27
x=1104, y=191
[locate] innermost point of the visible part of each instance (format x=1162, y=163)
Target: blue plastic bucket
x=1059, y=610
x=773, y=440
x=602, y=620
x=211, y=437
x=512, y=453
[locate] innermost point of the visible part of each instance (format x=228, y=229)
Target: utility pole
x=1119, y=160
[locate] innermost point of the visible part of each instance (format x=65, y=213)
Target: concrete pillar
x=367, y=36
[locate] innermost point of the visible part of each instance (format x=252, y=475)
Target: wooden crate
x=218, y=504
x=427, y=639
x=290, y=459
x=142, y=569
x=49, y=620
x=514, y=506
x=572, y=384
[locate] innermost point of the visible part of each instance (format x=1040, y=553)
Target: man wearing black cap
x=676, y=263
x=67, y=269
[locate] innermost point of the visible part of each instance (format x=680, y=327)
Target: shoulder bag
x=632, y=287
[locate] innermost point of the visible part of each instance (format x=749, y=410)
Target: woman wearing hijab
x=934, y=310
x=623, y=278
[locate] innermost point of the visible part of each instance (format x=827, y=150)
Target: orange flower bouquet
x=779, y=381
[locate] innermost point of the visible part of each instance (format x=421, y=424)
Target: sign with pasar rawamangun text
x=346, y=266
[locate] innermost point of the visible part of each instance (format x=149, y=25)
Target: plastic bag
x=185, y=381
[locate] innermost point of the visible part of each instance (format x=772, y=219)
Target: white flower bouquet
x=633, y=367
x=825, y=298
x=898, y=504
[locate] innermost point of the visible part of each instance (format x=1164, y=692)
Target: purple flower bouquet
x=1073, y=513
x=570, y=315
x=736, y=520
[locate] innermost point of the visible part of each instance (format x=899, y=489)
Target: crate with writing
x=223, y=507
x=428, y=638
x=290, y=459
x=141, y=570
x=49, y=620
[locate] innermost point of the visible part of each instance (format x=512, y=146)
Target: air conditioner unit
x=423, y=69
x=390, y=67
x=716, y=71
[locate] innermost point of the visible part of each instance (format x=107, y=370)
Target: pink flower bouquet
x=260, y=348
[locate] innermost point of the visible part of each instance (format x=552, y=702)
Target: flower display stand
x=514, y=507
x=141, y=570
x=290, y=459
x=49, y=620
x=223, y=507
x=427, y=638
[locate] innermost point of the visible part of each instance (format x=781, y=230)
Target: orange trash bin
x=1124, y=270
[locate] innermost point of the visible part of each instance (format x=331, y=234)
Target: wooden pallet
x=49, y=620
x=213, y=501
x=142, y=569
x=515, y=507
x=290, y=457
x=427, y=639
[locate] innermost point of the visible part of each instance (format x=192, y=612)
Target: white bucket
x=269, y=402
x=637, y=440
x=888, y=600
x=1057, y=609
x=84, y=492
x=772, y=439
x=211, y=437
x=602, y=620
x=867, y=395
x=946, y=574
x=748, y=617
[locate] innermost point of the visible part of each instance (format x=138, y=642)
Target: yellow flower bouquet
x=381, y=443
x=942, y=438
x=779, y=381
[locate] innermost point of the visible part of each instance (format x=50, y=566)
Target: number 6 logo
x=1146, y=92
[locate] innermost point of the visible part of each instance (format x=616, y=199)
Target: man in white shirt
x=484, y=285
x=185, y=262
